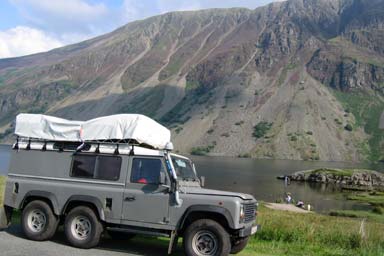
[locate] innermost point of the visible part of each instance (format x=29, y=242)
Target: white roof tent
x=122, y=128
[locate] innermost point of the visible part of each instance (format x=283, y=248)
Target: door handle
x=130, y=198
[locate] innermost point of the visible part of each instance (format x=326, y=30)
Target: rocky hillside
x=301, y=79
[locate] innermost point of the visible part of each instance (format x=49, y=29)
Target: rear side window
x=96, y=167
x=146, y=170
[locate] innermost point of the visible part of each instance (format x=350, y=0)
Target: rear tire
x=239, y=245
x=38, y=221
x=206, y=238
x=83, y=228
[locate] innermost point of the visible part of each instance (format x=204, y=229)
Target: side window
x=83, y=166
x=146, y=170
x=108, y=168
x=96, y=167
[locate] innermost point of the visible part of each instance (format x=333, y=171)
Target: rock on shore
x=349, y=179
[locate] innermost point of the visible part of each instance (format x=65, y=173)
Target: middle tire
x=83, y=228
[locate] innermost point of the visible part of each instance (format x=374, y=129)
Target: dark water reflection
x=258, y=177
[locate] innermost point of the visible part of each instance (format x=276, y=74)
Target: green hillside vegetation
x=367, y=110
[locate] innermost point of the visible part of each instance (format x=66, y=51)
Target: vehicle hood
x=203, y=191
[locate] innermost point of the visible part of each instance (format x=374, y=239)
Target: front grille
x=250, y=212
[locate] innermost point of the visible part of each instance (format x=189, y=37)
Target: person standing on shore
x=288, y=198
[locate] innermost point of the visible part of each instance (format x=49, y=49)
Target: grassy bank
x=374, y=198
x=2, y=187
x=287, y=233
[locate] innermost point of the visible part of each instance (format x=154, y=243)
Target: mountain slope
x=301, y=79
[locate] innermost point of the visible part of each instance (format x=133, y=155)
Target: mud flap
x=172, y=242
x=5, y=216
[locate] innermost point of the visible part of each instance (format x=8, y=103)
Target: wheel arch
x=216, y=213
x=84, y=200
x=45, y=196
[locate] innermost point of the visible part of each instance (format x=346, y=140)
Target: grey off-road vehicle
x=122, y=188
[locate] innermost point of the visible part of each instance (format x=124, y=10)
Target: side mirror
x=162, y=178
x=202, y=181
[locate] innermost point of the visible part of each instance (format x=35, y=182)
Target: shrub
x=337, y=121
x=348, y=127
x=378, y=210
x=202, y=151
x=178, y=130
x=261, y=129
x=309, y=132
x=293, y=138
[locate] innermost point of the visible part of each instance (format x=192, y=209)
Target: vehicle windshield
x=184, y=169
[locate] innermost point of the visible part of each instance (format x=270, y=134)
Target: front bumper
x=249, y=230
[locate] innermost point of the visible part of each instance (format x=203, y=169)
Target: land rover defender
x=123, y=187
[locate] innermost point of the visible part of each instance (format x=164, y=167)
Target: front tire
x=38, y=221
x=83, y=228
x=206, y=238
x=239, y=245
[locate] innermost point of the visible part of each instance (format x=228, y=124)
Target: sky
x=31, y=26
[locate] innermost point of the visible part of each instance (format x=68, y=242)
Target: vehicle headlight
x=242, y=213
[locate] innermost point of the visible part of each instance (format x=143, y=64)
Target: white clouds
x=67, y=18
x=52, y=23
x=20, y=41
x=180, y=5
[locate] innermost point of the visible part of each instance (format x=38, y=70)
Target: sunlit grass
x=288, y=233
x=373, y=198
x=2, y=187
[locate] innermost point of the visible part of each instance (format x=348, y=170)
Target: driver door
x=145, y=200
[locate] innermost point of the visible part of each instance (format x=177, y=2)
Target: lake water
x=258, y=177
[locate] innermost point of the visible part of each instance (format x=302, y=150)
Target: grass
x=284, y=73
x=372, y=198
x=2, y=187
x=374, y=217
x=286, y=233
x=336, y=172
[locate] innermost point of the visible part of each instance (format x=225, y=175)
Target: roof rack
x=117, y=147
